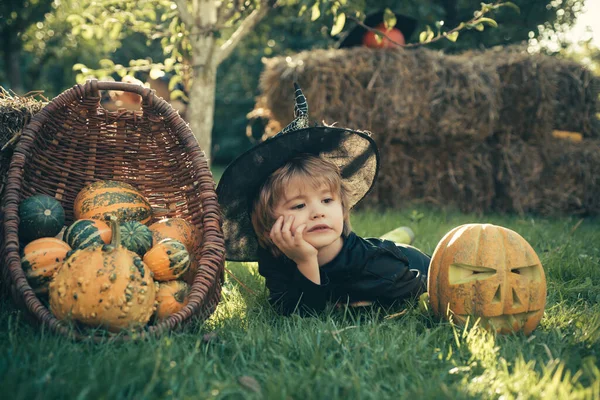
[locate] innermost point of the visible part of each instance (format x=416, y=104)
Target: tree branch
x=184, y=14
x=245, y=27
x=224, y=13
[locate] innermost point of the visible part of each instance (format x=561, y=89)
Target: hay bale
x=15, y=113
x=558, y=177
x=577, y=100
x=457, y=175
x=415, y=96
x=529, y=91
x=519, y=169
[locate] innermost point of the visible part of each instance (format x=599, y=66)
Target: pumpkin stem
x=113, y=222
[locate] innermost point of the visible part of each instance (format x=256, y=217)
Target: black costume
x=365, y=269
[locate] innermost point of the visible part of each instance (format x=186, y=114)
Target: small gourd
x=104, y=286
x=104, y=198
x=40, y=216
x=178, y=229
x=171, y=297
x=168, y=259
x=40, y=261
x=87, y=232
x=136, y=237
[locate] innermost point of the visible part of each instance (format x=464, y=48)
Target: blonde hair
x=316, y=171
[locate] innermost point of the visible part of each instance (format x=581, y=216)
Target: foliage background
x=48, y=37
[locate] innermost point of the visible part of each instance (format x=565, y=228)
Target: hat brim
x=354, y=36
x=354, y=152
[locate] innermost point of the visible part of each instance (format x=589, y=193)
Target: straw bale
x=558, y=177
x=415, y=96
x=15, y=113
x=458, y=175
x=577, y=99
x=529, y=91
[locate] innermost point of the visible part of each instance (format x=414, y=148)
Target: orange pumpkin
x=370, y=38
x=104, y=198
x=104, y=285
x=171, y=297
x=41, y=259
x=168, y=259
x=178, y=229
x=487, y=271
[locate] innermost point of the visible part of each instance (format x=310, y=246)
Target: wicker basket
x=74, y=141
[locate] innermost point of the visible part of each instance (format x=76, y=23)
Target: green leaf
x=338, y=24
x=452, y=36
x=106, y=63
x=175, y=79
x=512, y=5
x=489, y=21
x=115, y=31
x=389, y=18
x=302, y=10
x=315, y=11
x=430, y=34
x=169, y=62
x=78, y=67
x=87, y=32
x=178, y=94
x=156, y=73
x=479, y=27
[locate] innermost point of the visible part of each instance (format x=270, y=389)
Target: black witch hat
x=354, y=36
x=354, y=152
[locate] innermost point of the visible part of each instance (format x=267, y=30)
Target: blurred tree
x=15, y=17
x=107, y=34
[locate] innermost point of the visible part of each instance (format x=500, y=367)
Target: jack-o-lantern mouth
x=501, y=323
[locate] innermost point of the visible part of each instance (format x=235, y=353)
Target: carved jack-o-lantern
x=487, y=271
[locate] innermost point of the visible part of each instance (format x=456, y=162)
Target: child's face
x=318, y=208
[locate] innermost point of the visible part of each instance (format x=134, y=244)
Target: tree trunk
x=201, y=108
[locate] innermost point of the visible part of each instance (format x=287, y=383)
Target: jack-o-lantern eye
x=531, y=272
x=462, y=273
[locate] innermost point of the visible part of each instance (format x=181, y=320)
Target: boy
x=286, y=205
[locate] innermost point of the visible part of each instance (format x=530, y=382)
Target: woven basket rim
x=212, y=243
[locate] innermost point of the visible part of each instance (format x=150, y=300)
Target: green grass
x=373, y=354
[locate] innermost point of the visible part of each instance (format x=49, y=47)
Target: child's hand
x=292, y=244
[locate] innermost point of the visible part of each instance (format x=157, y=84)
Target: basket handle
x=94, y=86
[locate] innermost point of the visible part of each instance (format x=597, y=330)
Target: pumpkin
x=178, y=229
x=103, y=198
x=104, y=286
x=41, y=258
x=491, y=272
x=168, y=259
x=171, y=297
x=40, y=216
x=87, y=232
x=370, y=39
x=136, y=237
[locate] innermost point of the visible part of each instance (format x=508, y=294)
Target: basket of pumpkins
x=110, y=219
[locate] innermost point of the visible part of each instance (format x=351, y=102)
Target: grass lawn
x=246, y=351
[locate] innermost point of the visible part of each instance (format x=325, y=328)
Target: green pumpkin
x=40, y=216
x=136, y=237
x=87, y=232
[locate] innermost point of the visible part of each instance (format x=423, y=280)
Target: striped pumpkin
x=41, y=259
x=171, y=297
x=103, y=198
x=87, y=232
x=168, y=260
x=136, y=237
x=178, y=229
